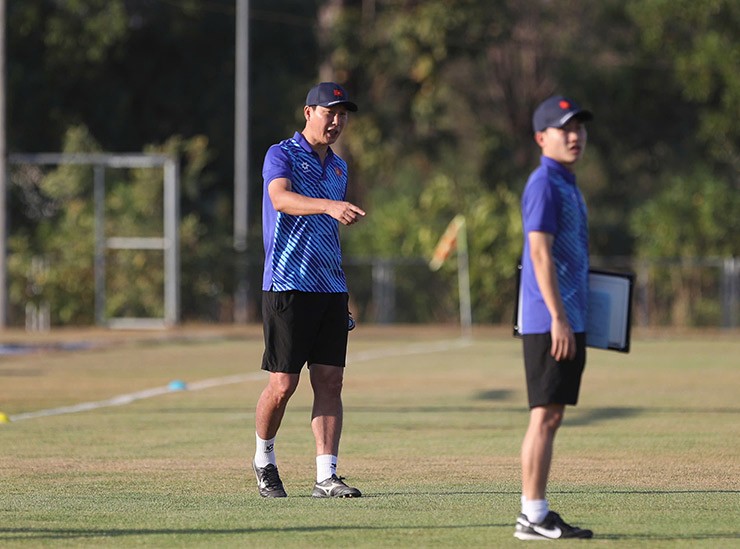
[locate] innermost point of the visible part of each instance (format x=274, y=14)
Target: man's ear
x=539, y=138
x=307, y=112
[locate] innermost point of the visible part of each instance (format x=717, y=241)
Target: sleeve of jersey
x=539, y=208
x=276, y=165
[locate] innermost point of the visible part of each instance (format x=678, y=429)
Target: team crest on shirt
x=305, y=166
x=338, y=171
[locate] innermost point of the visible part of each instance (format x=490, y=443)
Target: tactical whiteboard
x=609, y=321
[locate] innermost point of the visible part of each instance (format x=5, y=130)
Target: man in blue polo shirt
x=554, y=293
x=304, y=300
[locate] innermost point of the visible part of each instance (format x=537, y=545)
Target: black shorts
x=304, y=327
x=550, y=381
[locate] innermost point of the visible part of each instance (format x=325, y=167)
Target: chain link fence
x=697, y=292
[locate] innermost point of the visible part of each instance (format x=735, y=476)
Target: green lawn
x=649, y=458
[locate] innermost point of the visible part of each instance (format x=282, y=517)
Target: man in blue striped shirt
x=304, y=302
x=554, y=293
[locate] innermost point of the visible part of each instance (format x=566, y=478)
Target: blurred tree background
x=446, y=89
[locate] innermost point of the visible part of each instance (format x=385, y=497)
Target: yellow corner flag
x=447, y=243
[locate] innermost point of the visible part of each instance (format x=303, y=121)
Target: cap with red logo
x=556, y=111
x=328, y=94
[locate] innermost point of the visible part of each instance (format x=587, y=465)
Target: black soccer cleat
x=269, y=484
x=551, y=527
x=334, y=487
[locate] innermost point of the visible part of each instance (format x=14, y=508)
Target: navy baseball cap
x=328, y=94
x=555, y=112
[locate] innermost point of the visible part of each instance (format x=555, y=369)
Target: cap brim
x=350, y=106
x=583, y=116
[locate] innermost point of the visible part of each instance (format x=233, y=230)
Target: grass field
x=433, y=425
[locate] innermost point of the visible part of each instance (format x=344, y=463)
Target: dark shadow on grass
x=573, y=415
x=560, y=492
x=689, y=410
x=652, y=492
x=666, y=537
x=494, y=394
x=426, y=409
x=454, y=493
x=443, y=494
x=589, y=416
x=75, y=533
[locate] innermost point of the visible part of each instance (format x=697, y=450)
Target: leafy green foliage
x=52, y=261
x=445, y=88
x=704, y=53
x=62, y=242
x=696, y=215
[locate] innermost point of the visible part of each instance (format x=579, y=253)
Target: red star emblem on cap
x=338, y=93
x=564, y=105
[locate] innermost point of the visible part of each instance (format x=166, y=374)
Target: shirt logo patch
x=304, y=166
x=338, y=171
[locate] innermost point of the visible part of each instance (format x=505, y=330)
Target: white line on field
x=120, y=400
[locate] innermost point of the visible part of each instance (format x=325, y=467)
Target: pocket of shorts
x=282, y=301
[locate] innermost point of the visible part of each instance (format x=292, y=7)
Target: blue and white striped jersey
x=552, y=203
x=302, y=252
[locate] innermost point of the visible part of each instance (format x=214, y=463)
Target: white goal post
x=168, y=242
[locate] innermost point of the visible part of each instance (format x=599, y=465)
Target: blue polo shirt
x=552, y=203
x=302, y=252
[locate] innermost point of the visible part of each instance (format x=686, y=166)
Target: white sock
x=265, y=452
x=535, y=509
x=326, y=466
